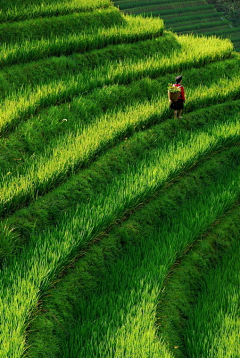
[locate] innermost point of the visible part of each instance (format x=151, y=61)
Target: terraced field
x=195, y=17
x=117, y=221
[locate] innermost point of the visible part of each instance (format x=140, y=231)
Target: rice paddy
x=195, y=17
x=103, y=193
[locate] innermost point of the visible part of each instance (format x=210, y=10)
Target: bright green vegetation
x=48, y=250
x=198, y=17
x=89, y=152
x=17, y=10
x=47, y=210
x=47, y=27
x=28, y=50
x=120, y=305
x=72, y=151
x=185, y=316
x=214, y=328
x=29, y=102
x=133, y=292
x=46, y=70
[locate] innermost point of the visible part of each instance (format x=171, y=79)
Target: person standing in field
x=179, y=104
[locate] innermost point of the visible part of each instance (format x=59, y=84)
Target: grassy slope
x=199, y=17
x=181, y=321
x=214, y=328
x=134, y=78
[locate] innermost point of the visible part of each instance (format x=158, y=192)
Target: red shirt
x=182, y=95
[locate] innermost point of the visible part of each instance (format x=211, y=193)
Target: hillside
x=231, y=9
x=195, y=17
x=117, y=220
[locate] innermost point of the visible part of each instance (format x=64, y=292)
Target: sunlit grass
x=71, y=152
x=31, y=271
x=29, y=50
x=194, y=53
x=15, y=12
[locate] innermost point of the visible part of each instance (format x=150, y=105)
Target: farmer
x=178, y=105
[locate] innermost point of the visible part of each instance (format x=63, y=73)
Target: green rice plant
x=199, y=26
x=13, y=12
x=173, y=89
x=167, y=6
x=88, y=141
x=229, y=31
x=88, y=273
x=213, y=330
x=45, y=211
x=23, y=105
x=135, y=4
x=180, y=10
x=29, y=274
x=187, y=281
x=123, y=5
x=201, y=19
x=48, y=126
x=40, y=28
x=201, y=16
x=121, y=311
x=11, y=3
x=136, y=28
x=70, y=153
x=46, y=70
x=34, y=136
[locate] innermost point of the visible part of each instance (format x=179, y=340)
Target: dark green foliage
x=34, y=136
x=191, y=27
x=132, y=4
x=61, y=304
x=187, y=276
x=34, y=132
x=204, y=16
x=230, y=7
x=183, y=10
x=49, y=209
x=38, y=29
x=46, y=70
x=176, y=12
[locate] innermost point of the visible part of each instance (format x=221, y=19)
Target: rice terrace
x=120, y=224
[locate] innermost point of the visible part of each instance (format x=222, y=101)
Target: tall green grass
x=23, y=104
x=98, y=121
x=40, y=133
x=165, y=7
x=42, y=28
x=118, y=319
x=26, y=276
x=47, y=70
x=136, y=28
x=214, y=328
x=71, y=152
x=224, y=33
x=198, y=26
x=17, y=229
x=200, y=16
x=88, y=273
x=180, y=10
x=188, y=279
x=135, y=4
x=10, y=11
